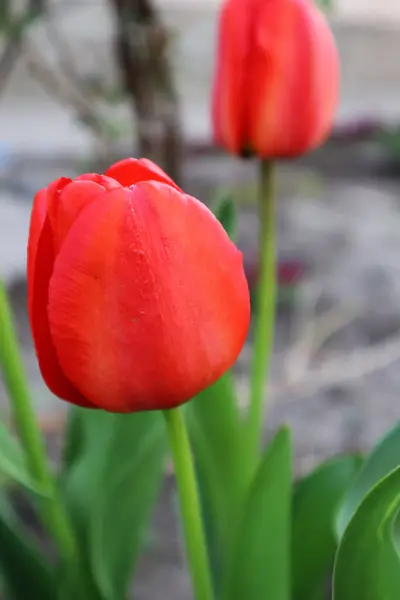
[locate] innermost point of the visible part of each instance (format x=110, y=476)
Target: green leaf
x=115, y=549
x=12, y=462
x=384, y=458
x=74, y=438
x=389, y=139
x=315, y=502
x=216, y=433
x=367, y=564
x=5, y=15
x=326, y=5
x=24, y=571
x=13, y=27
x=111, y=489
x=260, y=566
x=225, y=211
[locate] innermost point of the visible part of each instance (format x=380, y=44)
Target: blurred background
x=81, y=86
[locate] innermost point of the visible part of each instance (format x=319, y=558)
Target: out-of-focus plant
x=326, y=5
x=142, y=52
x=60, y=77
x=389, y=140
x=13, y=27
x=142, y=44
x=283, y=114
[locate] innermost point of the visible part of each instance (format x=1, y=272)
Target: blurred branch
x=62, y=81
x=68, y=96
x=306, y=373
x=312, y=334
x=13, y=29
x=141, y=45
x=63, y=52
x=339, y=370
x=8, y=59
x=90, y=89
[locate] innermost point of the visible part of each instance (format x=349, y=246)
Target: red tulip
x=277, y=78
x=137, y=297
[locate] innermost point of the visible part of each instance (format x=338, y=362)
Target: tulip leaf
x=260, y=565
x=367, y=564
x=12, y=462
x=111, y=489
x=136, y=485
x=74, y=438
x=225, y=211
x=216, y=432
x=24, y=571
x=316, y=499
x=326, y=5
x=384, y=458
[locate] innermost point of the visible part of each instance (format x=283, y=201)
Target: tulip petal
x=38, y=216
x=64, y=207
x=107, y=182
x=148, y=301
x=276, y=78
x=48, y=362
x=229, y=93
x=267, y=81
x=292, y=79
x=131, y=170
x=326, y=78
x=40, y=261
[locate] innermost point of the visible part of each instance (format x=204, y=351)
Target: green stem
x=189, y=505
x=265, y=308
x=11, y=366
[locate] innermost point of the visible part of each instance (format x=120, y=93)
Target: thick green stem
x=189, y=505
x=52, y=511
x=265, y=309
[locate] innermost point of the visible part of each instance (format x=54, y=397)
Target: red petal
x=131, y=170
x=107, y=182
x=47, y=358
x=267, y=76
x=148, y=300
x=64, y=207
x=293, y=79
x=40, y=267
x=229, y=92
x=326, y=78
x=38, y=216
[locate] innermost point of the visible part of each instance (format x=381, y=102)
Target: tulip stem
x=189, y=505
x=265, y=308
x=52, y=511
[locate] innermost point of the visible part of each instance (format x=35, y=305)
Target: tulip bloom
x=137, y=297
x=276, y=79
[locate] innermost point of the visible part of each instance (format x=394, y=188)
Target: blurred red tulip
x=276, y=81
x=289, y=272
x=137, y=297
